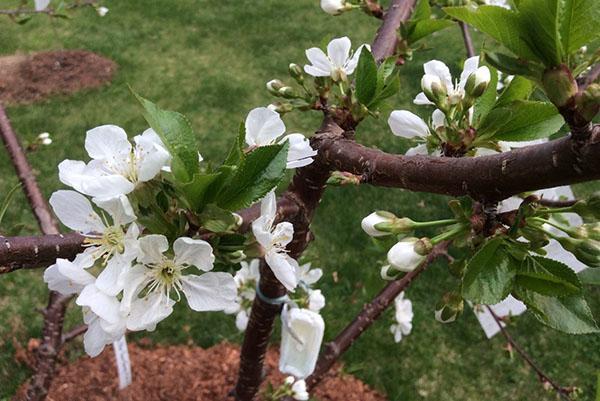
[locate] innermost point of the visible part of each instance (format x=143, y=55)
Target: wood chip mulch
x=183, y=373
x=26, y=79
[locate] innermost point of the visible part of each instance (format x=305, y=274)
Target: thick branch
x=489, y=178
x=563, y=392
x=367, y=317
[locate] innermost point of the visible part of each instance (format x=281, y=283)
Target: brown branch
x=563, y=392
x=26, y=176
x=467, y=39
x=73, y=333
x=54, y=313
x=386, y=38
x=367, y=317
x=491, y=178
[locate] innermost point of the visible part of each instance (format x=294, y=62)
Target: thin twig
x=590, y=77
x=467, y=39
x=563, y=392
x=369, y=314
x=73, y=333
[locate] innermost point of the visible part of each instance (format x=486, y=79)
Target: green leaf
x=570, y=314
x=426, y=27
x=541, y=20
x=519, y=89
x=579, y=24
x=236, y=153
x=522, y=121
x=176, y=133
x=259, y=172
x=590, y=276
x=503, y=25
x=195, y=190
x=489, y=274
x=217, y=220
x=366, y=77
x=548, y=277
x=514, y=66
x=422, y=10
x=486, y=102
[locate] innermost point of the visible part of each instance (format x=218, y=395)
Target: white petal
x=441, y=70
x=321, y=64
x=282, y=269
x=146, y=312
x=417, y=150
x=241, y=320
x=152, y=248
x=107, y=142
x=101, y=304
x=70, y=172
x=408, y=125
x=283, y=234
x=109, y=279
x=151, y=154
x=58, y=282
x=470, y=67
x=263, y=126
x=75, y=271
x=353, y=62
x=95, y=338
x=422, y=100
x=300, y=153
x=41, y=4
x=338, y=51
x=105, y=186
x=75, y=211
x=134, y=280
x=438, y=118
x=119, y=209
x=268, y=206
x=194, y=252
x=213, y=291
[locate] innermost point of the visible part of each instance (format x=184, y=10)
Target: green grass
x=210, y=60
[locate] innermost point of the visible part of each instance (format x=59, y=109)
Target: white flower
x=337, y=63
x=100, y=332
x=160, y=275
x=245, y=279
x=44, y=139
x=403, y=256
x=498, y=3
x=69, y=277
x=110, y=242
x=274, y=240
x=41, y=5
x=301, y=337
x=306, y=274
x=299, y=391
x=368, y=224
x=404, y=316
x=405, y=124
x=116, y=167
x=102, y=11
x=264, y=127
x=333, y=7
x=438, y=73
x=316, y=300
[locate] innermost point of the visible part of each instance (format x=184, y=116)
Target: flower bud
x=449, y=308
x=296, y=72
x=478, y=82
x=44, y=139
x=559, y=85
x=274, y=85
x=587, y=251
x=404, y=257
x=434, y=89
x=102, y=11
x=299, y=392
x=589, y=102
x=280, y=107
x=316, y=300
x=334, y=7
x=370, y=222
x=343, y=178
x=288, y=92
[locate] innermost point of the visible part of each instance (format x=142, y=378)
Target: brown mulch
x=30, y=78
x=183, y=373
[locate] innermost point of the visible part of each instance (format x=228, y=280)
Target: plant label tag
x=123, y=362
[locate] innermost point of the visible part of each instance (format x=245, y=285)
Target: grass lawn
x=210, y=60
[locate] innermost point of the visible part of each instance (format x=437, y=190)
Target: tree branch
x=487, y=178
x=563, y=392
x=467, y=39
x=386, y=38
x=368, y=316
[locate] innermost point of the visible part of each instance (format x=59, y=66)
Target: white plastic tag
x=123, y=363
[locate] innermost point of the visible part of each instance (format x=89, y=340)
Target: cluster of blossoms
x=124, y=280
x=450, y=125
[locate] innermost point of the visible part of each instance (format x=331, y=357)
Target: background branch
x=467, y=39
